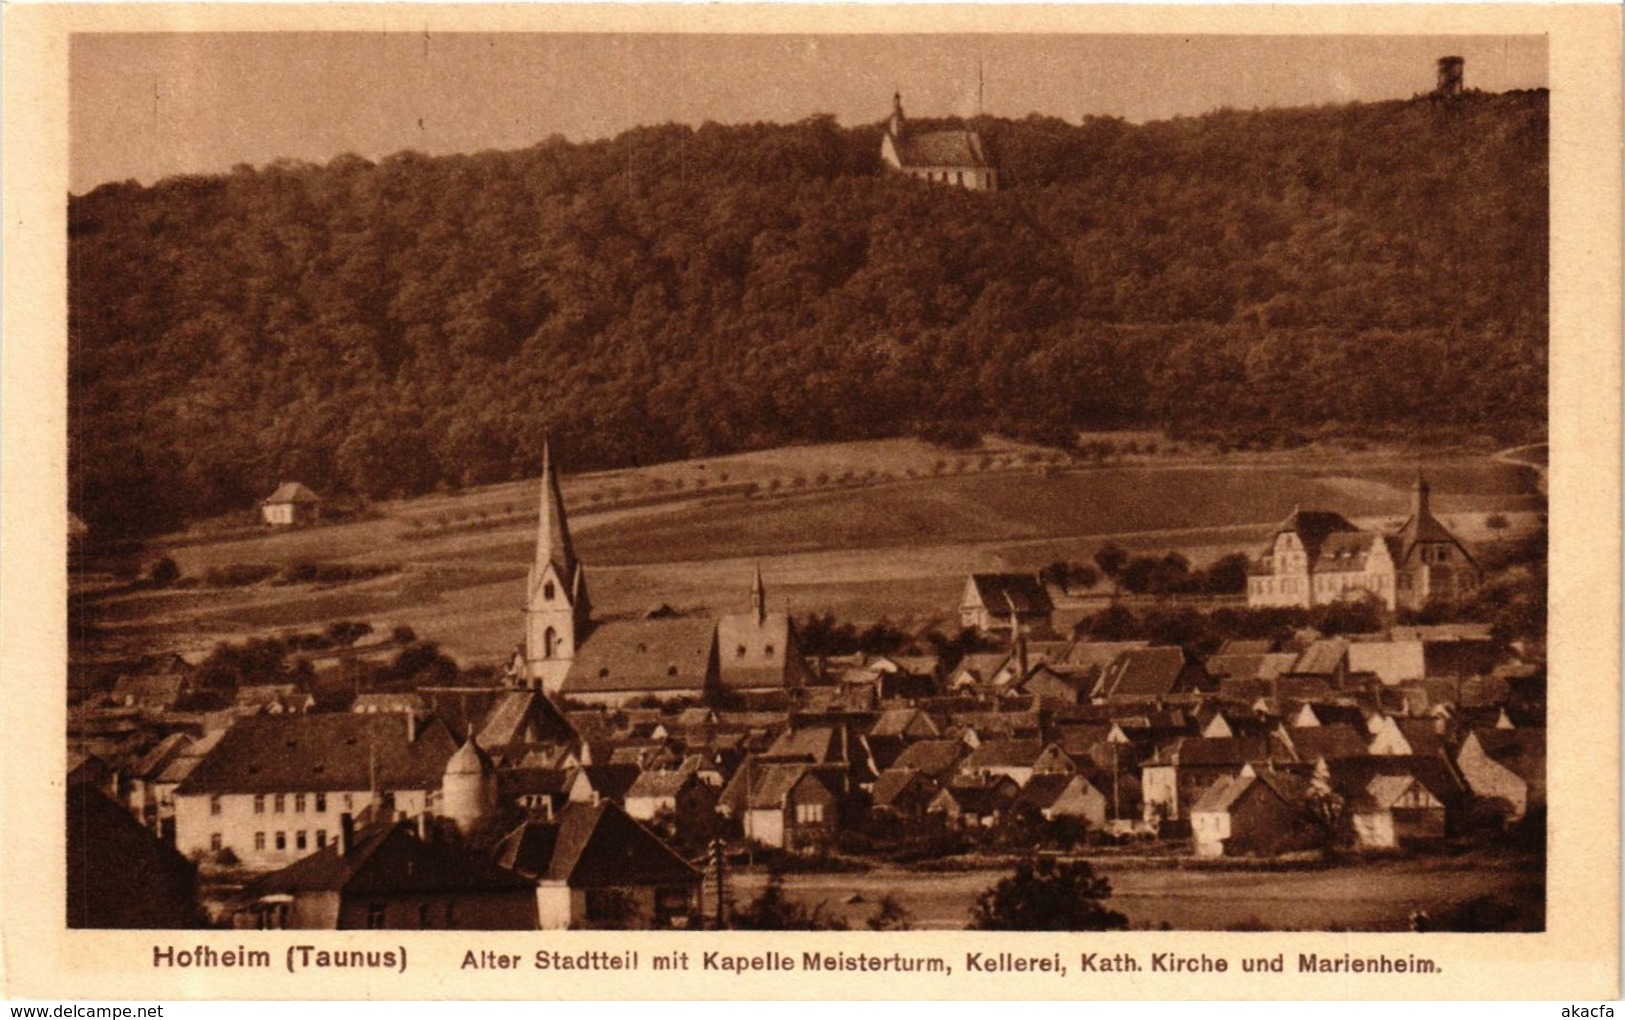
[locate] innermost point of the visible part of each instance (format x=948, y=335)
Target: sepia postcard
x=811, y=502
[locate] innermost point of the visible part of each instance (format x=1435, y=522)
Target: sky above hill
x=146, y=106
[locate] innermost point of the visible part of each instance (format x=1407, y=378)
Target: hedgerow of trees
x=389, y=328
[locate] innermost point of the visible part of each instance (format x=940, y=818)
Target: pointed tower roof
x=758, y=596
x=470, y=759
x=1422, y=526
x=553, y=528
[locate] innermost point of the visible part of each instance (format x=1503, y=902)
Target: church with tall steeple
x=569, y=653
x=557, y=610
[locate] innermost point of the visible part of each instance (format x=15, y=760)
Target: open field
x=896, y=549
x=1366, y=897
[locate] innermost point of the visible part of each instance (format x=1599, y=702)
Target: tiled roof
x=388, y=859
x=762, y=785
x=998, y=591
x=933, y=757
x=1042, y=791
x=901, y=722
x=644, y=655
x=941, y=149
x=1313, y=527
x=1143, y=673
x=1322, y=658
x=1344, y=552
x=601, y=845
x=291, y=492
x=894, y=783
x=327, y=751
x=1004, y=754
x=1219, y=797
x=1328, y=742
x=1393, y=661
x=1216, y=751
x=659, y=783
x=817, y=745
x=611, y=781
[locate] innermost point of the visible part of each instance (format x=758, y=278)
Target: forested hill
x=392, y=327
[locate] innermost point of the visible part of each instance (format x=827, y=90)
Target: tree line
x=393, y=327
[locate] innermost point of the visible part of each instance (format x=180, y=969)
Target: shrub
x=164, y=573
x=1046, y=895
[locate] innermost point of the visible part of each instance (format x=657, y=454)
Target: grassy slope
x=896, y=549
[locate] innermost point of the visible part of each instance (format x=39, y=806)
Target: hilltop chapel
x=613, y=661
x=946, y=157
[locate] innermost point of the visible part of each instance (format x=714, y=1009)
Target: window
x=809, y=814
x=259, y=841
x=214, y=804
x=299, y=840
x=740, y=652
x=959, y=176
x=321, y=838
x=281, y=804
x=299, y=803
x=215, y=842
x=550, y=643
x=768, y=651
x=259, y=803
x=321, y=803
x=375, y=916
x=282, y=841
x=547, y=591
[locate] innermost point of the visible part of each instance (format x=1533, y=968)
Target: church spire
x=896, y=124
x=758, y=596
x=553, y=529
x=1419, y=498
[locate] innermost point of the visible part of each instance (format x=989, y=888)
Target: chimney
x=346, y=833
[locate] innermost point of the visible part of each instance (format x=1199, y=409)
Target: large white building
x=275, y=787
x=1318, y=557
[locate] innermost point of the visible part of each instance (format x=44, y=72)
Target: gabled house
x=1258, y=810
x=1065, y=795
x=272, y=790
x=989, y=599
x=1148, y=675
x=954, y=158
x=903, y=793
x=936, y=759
x=386, y=877
x=1018, y=760
x=1392, y=808
x=970, y=803
x=291, y=505
x=785, y=805
x=1506, y=768
x=1183, y=769
x=596, y=867
x=1324, y=743
x=689, y=801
